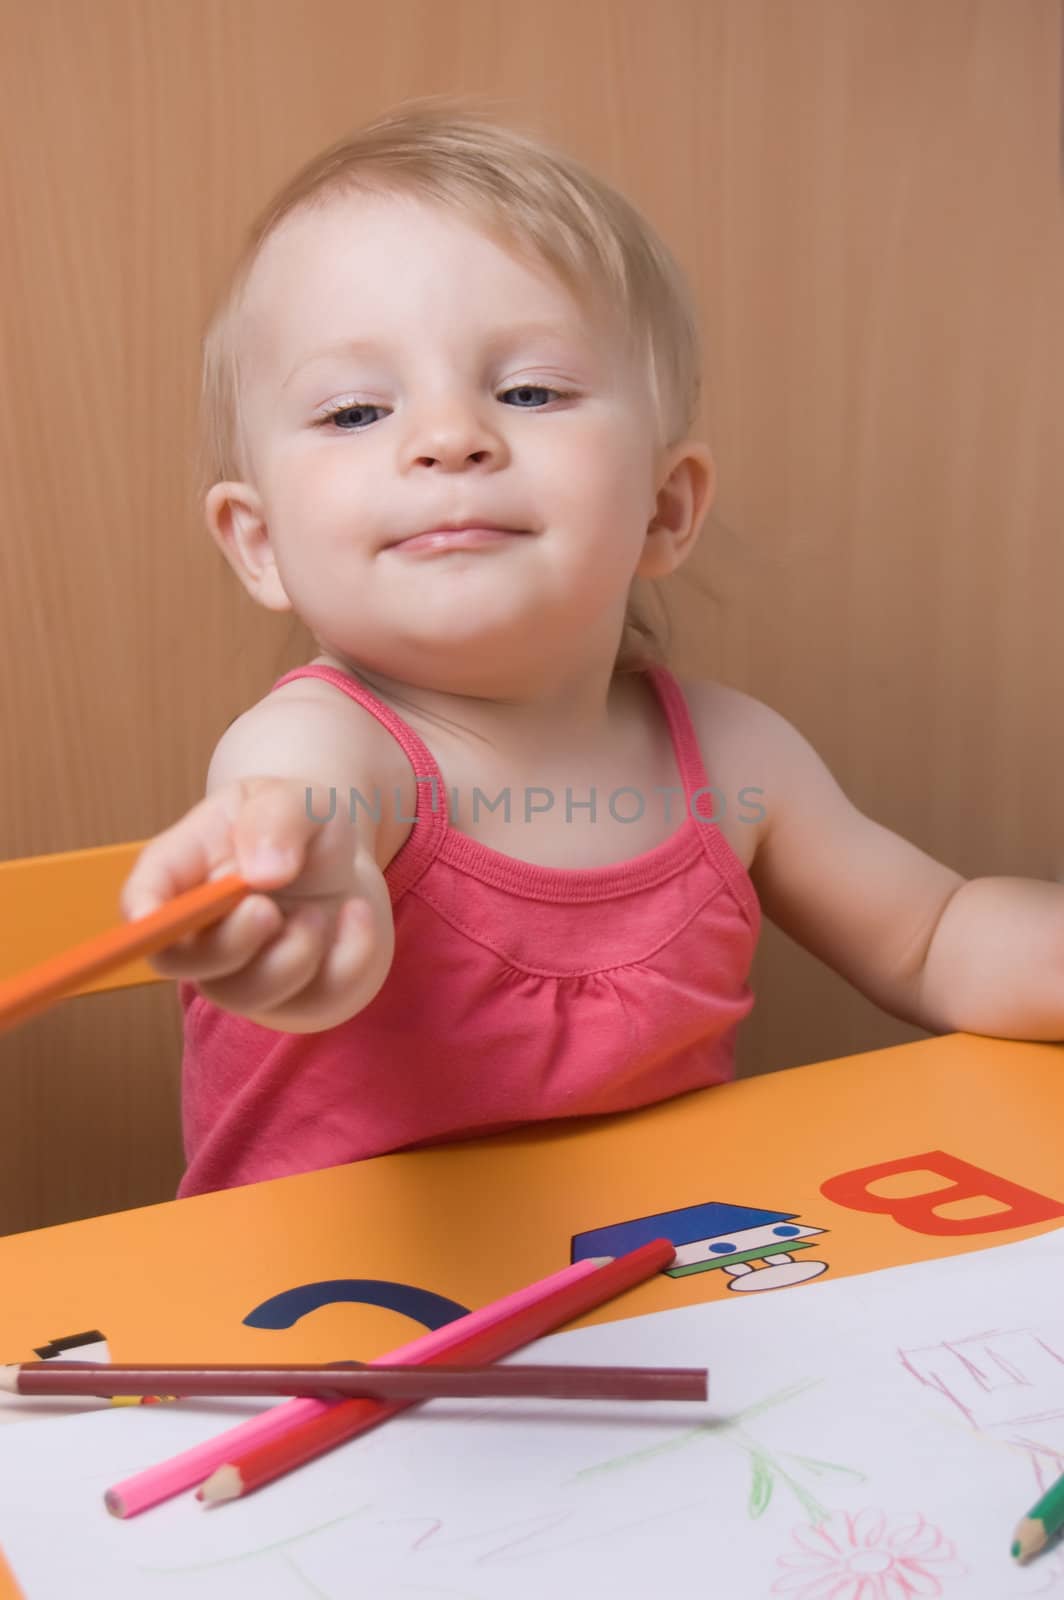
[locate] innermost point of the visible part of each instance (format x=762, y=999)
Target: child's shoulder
x=735, y=731
x=755, y=756
x=738, y=727
x=721, y=705
x=307, y=729
x=307, y=719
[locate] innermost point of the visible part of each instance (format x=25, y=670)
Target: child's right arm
x=317, y=947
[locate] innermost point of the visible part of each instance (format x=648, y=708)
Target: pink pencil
x=154, y=1484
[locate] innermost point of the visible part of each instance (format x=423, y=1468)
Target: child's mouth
x=454, y=539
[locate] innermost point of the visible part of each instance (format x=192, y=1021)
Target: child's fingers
x=257, y=826
x=272, y=833
x=280, y=971
x=225, y=946
x=308, y=964
x=345, y=958
x=187, y=854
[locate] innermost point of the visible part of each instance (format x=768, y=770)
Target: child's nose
x=453, y=436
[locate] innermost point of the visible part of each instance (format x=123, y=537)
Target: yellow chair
x=51, y=903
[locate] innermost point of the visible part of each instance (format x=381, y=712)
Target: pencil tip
x=223, y=1484
x=9, y=1379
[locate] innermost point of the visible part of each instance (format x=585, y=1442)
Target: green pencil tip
x=1015, y=1548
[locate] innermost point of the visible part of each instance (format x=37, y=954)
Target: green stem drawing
x=765, y=1467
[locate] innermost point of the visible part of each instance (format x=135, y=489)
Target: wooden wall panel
x=867, y=195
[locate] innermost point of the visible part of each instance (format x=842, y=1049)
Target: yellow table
x=876, y=1160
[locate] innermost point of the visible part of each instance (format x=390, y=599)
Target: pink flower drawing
x=865, y=1557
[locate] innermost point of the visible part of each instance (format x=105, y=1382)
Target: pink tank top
x=517, y=993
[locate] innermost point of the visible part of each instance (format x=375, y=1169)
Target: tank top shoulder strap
x=430, y=820
x=700, y=797
x=684, y=738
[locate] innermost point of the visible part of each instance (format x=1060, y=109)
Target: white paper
x=868, y=1438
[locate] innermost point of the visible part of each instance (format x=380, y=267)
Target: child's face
x=427, y=433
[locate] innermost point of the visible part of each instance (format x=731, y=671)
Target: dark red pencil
x=355, y=1380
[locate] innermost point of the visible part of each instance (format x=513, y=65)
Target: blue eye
x=533, y=388
x=343, y=411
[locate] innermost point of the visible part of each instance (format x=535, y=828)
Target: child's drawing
x=1004, y=1379
x=868, y=1557
x=1009, y=1387
x=767, y=1469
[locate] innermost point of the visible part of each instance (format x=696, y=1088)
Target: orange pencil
x=29, y=993
x=350, y=1417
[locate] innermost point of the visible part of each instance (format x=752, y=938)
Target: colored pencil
x=145, y=1489
x=347, y=1418
x=1043, y=1522
x=353, y=1379
x=35, y=990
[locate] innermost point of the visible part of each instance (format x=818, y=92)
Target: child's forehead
x=330, y=257
x=376, y=223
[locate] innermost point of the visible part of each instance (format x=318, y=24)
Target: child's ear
x=687, y=482
x=237, y=524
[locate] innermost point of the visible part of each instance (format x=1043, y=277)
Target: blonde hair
x=535, y=198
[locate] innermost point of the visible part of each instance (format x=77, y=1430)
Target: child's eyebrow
x=559, y=332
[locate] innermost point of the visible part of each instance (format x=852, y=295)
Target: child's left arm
x=949, y=954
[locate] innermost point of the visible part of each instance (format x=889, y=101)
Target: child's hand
x=306, y=956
